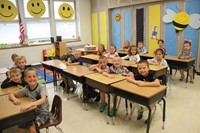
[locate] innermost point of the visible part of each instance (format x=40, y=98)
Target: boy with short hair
x=38, y=94
x=21, y=61
x=68, y=56
x=144, y=78
x=14, y=79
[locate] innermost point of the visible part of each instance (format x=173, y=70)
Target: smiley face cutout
x=36, y=8
x=65, y=11
x=8, y=11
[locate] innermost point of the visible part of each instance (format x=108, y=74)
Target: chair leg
x=47, y=130
x=59, y=129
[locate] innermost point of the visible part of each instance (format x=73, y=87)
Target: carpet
x=49, y=75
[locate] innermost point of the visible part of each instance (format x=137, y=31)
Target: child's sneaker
x=182, y=77
x=191, y=82
x=112, y=112
x=140, y=113
x=102, y=107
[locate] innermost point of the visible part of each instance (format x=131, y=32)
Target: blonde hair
x=30, y=69
x=21, y=58
x=14, y=70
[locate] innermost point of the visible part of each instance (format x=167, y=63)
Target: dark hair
x=143, y=61
x=69, y=48
x=102, y=45
x=161, y=40
x=140, y=42
x=114, y=47
x=132, y=46
x=102, y=57
x=161, y=50
x=187, y=41
x=13, y=56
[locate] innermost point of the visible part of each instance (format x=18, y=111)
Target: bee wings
x=168, y=18
x=195, y=21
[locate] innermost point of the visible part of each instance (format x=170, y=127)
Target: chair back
x=56, y=110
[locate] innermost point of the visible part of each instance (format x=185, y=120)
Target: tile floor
x=182, y=113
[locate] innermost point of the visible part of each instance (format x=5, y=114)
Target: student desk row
x=10, y=114
x=144, y=96
x=172, y=61
x=158, y=70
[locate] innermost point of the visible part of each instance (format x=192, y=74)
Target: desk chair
x=55, y=115
x=193, y=71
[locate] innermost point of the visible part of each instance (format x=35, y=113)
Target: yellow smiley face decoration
x=8, y=11
x=65, y=11
x=36, y=8
x=117, y=17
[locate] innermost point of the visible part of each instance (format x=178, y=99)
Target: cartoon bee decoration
x=182, y=19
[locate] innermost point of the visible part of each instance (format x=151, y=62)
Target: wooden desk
x=101, y=82
x=122, y=53
x=76, y=73
x=9, y=90
x=50, y=65
x=85, y=52
x=90, y=59
x=10, y=114
x=3, y=70
x=158, y=70
x=142, y=95
x=173, y=62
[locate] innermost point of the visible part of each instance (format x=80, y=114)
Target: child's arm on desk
x=155, y=83
x=13, y=97
x=108, y=75
x=72, y=64
x=35, y=103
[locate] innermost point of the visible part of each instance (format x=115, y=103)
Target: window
x=39, y=30
x=65, y=28
x=9, y=27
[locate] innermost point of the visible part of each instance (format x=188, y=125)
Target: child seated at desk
x=68, y=56
x=141, y=48
x=159, y=60
x=161, y=45
x=21, y=61
x=112, y=53
x=38, y=94
x=101, y=50
x=14, y=59
x=186, y=54
x=100, y=67
x=14, y=79
x=116, y=68
x=143, y=78
x=132, y=54
x=76, y=61
x=126, y=46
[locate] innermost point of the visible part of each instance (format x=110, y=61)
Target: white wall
x=34, y=54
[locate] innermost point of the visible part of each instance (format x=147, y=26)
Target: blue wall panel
x=170, y=34
x=127, y=25
x=116, y=28
x=192, y=7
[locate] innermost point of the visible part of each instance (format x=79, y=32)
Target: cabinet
x=60, y=49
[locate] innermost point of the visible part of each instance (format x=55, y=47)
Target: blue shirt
x=150, y=77
x=78, y=60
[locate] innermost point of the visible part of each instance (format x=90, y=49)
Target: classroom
x=109, y=65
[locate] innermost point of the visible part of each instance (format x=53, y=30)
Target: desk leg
x=149, y=119
x=164, y=113
x=109, y=106
x=187, y=75
x=85, y=95
x=45, y=75
x=54, y=80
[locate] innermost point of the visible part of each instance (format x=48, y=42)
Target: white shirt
x=134, y=58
